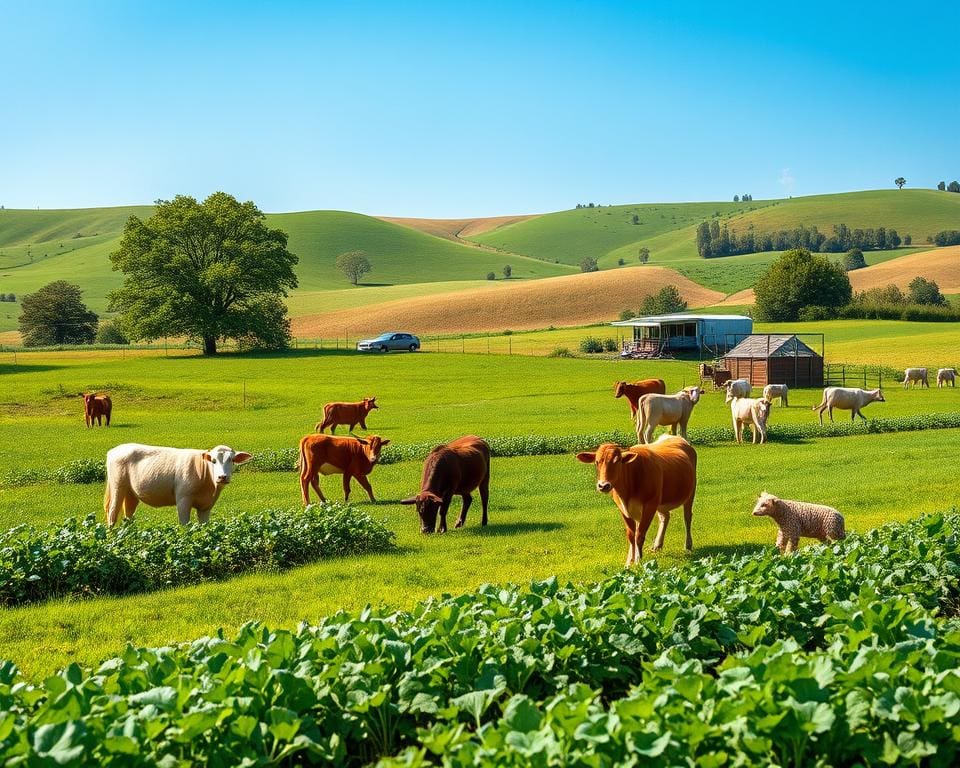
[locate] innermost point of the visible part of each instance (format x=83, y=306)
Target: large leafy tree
x=209, y=271
x=354, y=265
x=800, y=279
x=56, y=315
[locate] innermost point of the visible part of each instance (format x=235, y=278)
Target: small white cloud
x=786, y=179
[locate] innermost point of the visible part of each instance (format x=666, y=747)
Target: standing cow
x=456, y=469
x=753, y=412
x=97, y=407
x=352, y=457
x=946, y=376
x=665, y=411
x=350, y=414
x=914, y=376
x=164, y=477
x=633, y=392
x=646, y=480
x=847, y=399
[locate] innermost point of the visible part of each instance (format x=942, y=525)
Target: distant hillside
x=458, y=229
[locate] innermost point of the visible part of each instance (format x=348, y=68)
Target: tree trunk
x=209, y=345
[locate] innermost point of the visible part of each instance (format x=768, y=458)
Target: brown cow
x=335, y=414
x=457, y=468
x=332, y=455
x=96, y=407
x=645, y=480
x=633, y=392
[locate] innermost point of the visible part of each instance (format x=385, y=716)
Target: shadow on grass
x=8, y=368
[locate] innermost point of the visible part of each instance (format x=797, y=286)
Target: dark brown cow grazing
x=633, y=392
x=646, y=480
x=457, y=468
x=351, y=414
x=96, y=407
x=332, y=455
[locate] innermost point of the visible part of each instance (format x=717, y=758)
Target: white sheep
x=800, y=518
x=776, y=390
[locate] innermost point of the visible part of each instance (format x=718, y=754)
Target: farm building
x=657, y=334
x=768, y=358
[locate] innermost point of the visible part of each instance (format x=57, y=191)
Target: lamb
x=799, y=518
x=737, y=388
x=913, y=376
x=847, y=399
x=752, y=411
x=945, y=375
x=776, y=390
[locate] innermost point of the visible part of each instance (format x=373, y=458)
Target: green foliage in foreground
x=85, y=557
x=835, y=654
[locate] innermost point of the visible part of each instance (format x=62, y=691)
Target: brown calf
x=351, y=414
x=457, y=468
x=96, y=407
x=646, y=480
x=351, y=457
x=633, y=392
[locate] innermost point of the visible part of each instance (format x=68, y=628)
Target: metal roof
x=756, y=346
x=653, y=320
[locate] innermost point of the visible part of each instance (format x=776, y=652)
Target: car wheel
x=383, y=347
x=413, y=347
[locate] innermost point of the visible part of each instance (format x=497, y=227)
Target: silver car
x=387, y=342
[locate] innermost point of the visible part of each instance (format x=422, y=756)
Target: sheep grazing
x=945, y=376
x=847, y=399
x=737, y=388
x=799, y=518
x=913, y=376
x=752, y=411
x=776, y=390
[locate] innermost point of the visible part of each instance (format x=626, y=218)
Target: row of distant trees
x=743, y=198
x=953, y=186
x=715, y=240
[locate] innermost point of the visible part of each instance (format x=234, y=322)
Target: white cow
x=945, y=375
x=665, y=410
x=164, y=477
x=914, y=376
x=847, y=399
x=752, y=411
x=737, y=388
x=777, y=390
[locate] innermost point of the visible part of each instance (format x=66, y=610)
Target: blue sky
x=450, y=109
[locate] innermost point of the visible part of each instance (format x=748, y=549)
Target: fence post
x=463, y=344
x=509, y=345
x=843, y=374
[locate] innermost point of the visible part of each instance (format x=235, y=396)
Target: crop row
x=85, y=557
x=285, y=459
x=649, y=662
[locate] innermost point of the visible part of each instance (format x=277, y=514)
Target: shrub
x=591, y=344
x=491, y=276
x=923, y=291
x=812, y=313
x=81, y=471
x=853, y=259
x=109, y=333
x=588, y=264
x=507, y=271
x=627, y=314
x=560, y=352
x=610, y=345
x=621, y=262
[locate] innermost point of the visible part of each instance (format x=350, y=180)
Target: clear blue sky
x=448, y=109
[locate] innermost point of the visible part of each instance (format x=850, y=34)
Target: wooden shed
x=767, y=358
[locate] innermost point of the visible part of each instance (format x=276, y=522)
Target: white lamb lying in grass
x=799, y=518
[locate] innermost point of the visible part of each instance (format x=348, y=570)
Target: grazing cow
x=777, y=390
x=455, y=469
x=665, y=410
x=164, y=477
x=737, y=388
x=96, y=407
x=633, y=392
x=352, y=457
x=335, y=414
x=847, y=399
x=645, y=480
x=945, y=375
x=752, y=411
x=913, y=376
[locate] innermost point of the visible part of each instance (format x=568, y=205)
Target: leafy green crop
x=834, y=655
x=85, y=557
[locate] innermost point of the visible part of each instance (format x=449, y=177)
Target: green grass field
x=546, y=519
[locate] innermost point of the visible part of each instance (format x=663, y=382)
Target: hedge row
x=835, y=652
x=84, y=557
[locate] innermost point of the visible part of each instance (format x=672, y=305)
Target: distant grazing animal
x=351, y=414
x=945, y=375
x=633, y=392
x=913, y=376
x=798, y=518
x=752, y=411
x=847, y=399
x=352, y=457
x=645, y=480
x=665, y=410
x=164, y=477
x=737, y=388
x=96, y=407
x=455, y=469
x=776, y=390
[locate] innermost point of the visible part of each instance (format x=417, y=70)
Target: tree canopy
x=208, y=271
x=55, y=314
x=853, y=259
x=899, y=181
x=923, y=291
x=354, y=264
x=663, y=302
x=796, y=280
